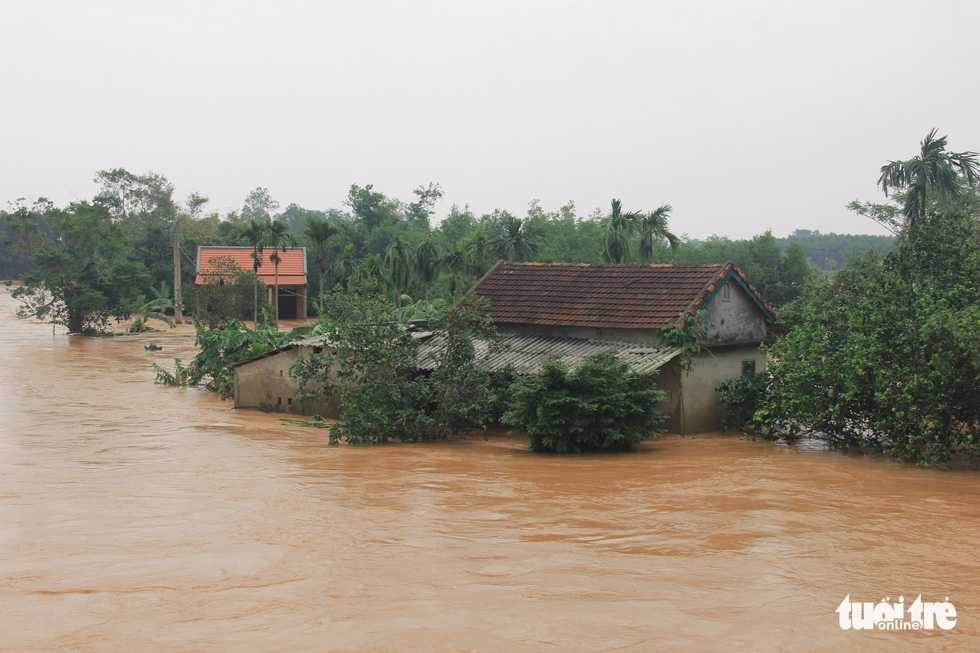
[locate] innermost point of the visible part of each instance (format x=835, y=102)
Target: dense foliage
x=221, y=346
x=371, y=363
x=86, y=271
x=601, y=404
x=887, y=355
x=401, y=245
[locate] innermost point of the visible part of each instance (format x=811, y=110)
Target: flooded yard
x=139, y=517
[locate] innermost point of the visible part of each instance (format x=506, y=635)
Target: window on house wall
x=726, y=292
x=748, y=368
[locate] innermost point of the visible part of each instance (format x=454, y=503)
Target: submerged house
x=266, y=383
x=212, y=267
x=577, y=309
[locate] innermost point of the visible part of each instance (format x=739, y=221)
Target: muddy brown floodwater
x=135, y=517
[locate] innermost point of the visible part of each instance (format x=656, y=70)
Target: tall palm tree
x=455, y=262
x=479, y=249
x=346, y=265
x=654, y=229
x=427, y=264
x=520, y=239
x=279, y=239
x=318, y=233
x=934, y=171
x=396, y=260
x=372, y=268
x=618, y=228
x=254, y=234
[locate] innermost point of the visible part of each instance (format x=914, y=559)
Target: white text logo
x=895, y=616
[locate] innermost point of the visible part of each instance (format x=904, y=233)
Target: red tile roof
x=292, y=266
x=602, y=296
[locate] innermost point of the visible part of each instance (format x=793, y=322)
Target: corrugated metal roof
x=526, y=353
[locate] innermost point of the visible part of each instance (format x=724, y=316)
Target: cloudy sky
x=745, y=116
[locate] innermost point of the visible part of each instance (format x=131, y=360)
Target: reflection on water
x=137, y=517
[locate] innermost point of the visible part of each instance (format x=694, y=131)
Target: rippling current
x=135, y=517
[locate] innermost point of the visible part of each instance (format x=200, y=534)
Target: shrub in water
x=601, y=404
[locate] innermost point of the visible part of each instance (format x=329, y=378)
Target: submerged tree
x=85, y=269
x=885, y=354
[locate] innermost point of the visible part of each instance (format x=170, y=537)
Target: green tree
x=601, y=404
x=455, y=262
x=427, y=265
x=422, y=208
x=259, y=205
x=654, y=229
x=885, y=355
x=618, y=229
x=479, y=252
x=933, y=174
x=372, y=363
x=254, y=235
x=398, y=267
x=279, y=239
x=519, y=240
x=318, y=234
x=346, y=265
x=85, y=272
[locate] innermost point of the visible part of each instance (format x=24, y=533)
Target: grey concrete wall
x=700, y=410
x=735, y=320
x=267, y=384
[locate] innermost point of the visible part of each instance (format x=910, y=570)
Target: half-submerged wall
x=265, y=383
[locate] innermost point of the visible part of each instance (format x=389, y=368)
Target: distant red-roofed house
x=570, y=307
x=292, y=274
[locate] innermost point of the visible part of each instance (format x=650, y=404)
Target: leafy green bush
x=742, y=397
x=602, y=404
x=229, y=295
x=887, y=355
x=371, y=364
x=220, y=347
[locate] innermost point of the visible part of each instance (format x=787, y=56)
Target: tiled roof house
x=568, y=307
x=212, y=267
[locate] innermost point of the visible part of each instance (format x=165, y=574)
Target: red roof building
x=292, y=264
x=213, y=265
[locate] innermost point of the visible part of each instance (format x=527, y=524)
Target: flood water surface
x=139, y=517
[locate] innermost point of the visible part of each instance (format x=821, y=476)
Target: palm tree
x=455, y=262
x=254, y=234
x=396, y=260
x=479, y=250
x=520, y=238
x=318, y=233
x=618, y=228
x=279, y=239
x=345, y=266
x=427, y=264
x=934, y=170
x=372, y=269
x=653, y=229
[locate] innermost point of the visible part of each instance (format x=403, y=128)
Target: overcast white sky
x=745, y=116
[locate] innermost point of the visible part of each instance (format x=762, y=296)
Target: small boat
x=152, y=347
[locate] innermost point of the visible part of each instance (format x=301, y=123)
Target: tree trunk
x=178, y=300
x=276, y=298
